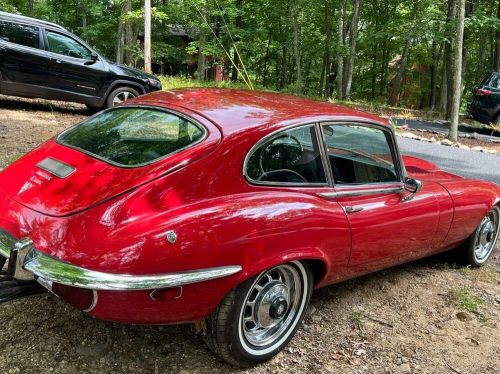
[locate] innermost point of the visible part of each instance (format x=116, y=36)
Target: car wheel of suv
x=258, y=318
x=120, y=95
x=481, y=244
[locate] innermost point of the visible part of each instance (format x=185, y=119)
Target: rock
x=433, y=139
x=463, y=316
x=477, y=148
x=492, y=151
x=410, y=135
x=316, y=318
x=463, y=146
x=446, y=142
x=311, y=310
x=405, y=368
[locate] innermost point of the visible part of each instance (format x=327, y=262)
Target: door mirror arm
x=413, y=186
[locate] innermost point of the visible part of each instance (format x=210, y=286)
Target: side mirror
x=92, y=60
x=413, y=186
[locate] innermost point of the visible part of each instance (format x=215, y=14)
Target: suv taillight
x=483, y=92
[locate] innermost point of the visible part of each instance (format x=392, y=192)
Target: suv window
x=289, y=157
x=20, y=34
x=494, y=81
x=133, y=136
x=359, y=154
x=64, y=45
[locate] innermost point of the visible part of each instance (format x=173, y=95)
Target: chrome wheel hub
x=122, y=96
x=486, y=236
x=272, y=305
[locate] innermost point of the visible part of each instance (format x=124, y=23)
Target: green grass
x=466, y=300
x=357, y=319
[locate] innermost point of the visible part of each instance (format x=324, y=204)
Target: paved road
x=443, y=129
x=459, y=161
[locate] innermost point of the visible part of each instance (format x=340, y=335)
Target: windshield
x=132, y=136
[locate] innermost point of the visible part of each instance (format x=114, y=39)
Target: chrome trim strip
x=57, y=271
x=363, y=192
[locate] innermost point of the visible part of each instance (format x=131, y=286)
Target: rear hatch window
x=133, y=136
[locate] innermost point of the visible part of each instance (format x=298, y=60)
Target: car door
x=22, y=59
x=72, y=68
x=368, y=183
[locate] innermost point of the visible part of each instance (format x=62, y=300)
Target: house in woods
x=170, y=56
x=412, y=93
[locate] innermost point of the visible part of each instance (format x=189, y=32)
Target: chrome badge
x=171, y=237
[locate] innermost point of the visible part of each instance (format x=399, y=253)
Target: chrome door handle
x=353, y=209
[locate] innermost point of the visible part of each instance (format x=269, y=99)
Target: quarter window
x=289, y=157
x=19, y=34
x=359, y=154
x=64, y=45
x=132, y=136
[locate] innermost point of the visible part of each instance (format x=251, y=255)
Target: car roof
x=234, y=110
x=32, y=21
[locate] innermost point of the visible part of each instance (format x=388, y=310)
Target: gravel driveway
x=455, y=160
x=428, y=316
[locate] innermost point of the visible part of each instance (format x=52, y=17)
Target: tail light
x=483, y=92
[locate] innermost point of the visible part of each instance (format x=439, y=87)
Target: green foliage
x=262, y=30
x=466, y=300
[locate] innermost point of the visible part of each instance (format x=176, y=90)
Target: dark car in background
x=40, y=59
x=485, y=105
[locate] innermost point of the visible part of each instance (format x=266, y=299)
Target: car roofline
x=30, y=20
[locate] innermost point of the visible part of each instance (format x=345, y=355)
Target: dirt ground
x=429, y=316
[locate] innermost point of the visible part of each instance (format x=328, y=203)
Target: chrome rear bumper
x=31, y=263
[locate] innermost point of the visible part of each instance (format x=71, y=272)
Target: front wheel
x=258, y=318
x=480, y=245
x=120, y=95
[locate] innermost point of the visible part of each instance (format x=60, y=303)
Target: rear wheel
x=482, y=242
x=258, y=318
x=120, y=95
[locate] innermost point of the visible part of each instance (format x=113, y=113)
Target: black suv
x=485, y=106
x=42, y=59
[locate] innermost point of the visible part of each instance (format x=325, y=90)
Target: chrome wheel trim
x=122, y=96
x=286, y=286
x=486, y=236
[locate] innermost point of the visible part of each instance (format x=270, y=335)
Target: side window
x=359, y=154
x=289, y=157
x=19, y=34
x=64, y=45
x=494, y=81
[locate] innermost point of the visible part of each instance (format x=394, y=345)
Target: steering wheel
x=294, y=175
x=283, y=152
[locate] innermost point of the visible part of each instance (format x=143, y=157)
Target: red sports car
x=226, y=208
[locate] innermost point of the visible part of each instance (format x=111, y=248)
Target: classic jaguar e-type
x=225, y=208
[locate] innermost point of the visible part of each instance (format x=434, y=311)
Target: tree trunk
x=457, y=79
x=325, y=66
x=266, y=59
x=236, y=58
x=129, y=35
x=435, y=61
x=147, y=36
x=353, y=35
x=31, y=7
x=296, y=43
x=448, y=56
x=201, y=57
x=374, y=71
x=398, y=80
x=120, y=36
x=496, y=56
x=340, y=59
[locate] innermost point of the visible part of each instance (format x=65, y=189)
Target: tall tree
x=457, y=76
x=353, y=35
x=294, y=12
x=340, y=58
x=496, y=58
x=147, y=36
